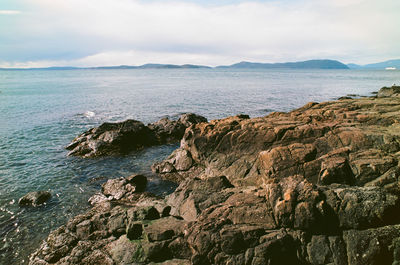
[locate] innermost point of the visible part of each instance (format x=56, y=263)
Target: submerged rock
x=123, y=137
x=34, y=198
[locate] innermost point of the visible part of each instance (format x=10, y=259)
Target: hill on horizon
x=309, y=64
x=382, y=65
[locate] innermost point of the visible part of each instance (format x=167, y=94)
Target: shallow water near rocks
x=42, y=111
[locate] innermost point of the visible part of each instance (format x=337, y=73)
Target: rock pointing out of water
x=123, y=137
x=34, y=198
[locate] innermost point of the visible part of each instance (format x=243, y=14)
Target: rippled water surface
x=42, y=111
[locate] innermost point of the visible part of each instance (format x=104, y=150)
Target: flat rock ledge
x=123, y=137
x=318, y=185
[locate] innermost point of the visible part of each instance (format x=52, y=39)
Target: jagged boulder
x=123, y=137
x=112, y=139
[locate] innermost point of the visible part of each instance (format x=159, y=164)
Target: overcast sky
x=36, y=33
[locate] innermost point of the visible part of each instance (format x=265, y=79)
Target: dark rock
x=389, y=91
x=319, y=251
x=143, y=213
x=134, y=230
x=123, y=137
x=34, y=198
x=396, y=251
x=156, y=251
x=170, y=131
x=167, y=131
x=362, y=208
x=189, y=119
x=112, y=139
x=336, y=170
x=371, y=246
x=139, y=181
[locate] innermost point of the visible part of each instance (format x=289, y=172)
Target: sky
x=41, y=33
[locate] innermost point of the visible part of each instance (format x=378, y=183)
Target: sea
x=41, y=111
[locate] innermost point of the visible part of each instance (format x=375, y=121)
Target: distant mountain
x=311, y=64
x=145, y=66
x=113, y=67
x=171, y=66
x=354, y=66
x=382, y=65
x=44, y=68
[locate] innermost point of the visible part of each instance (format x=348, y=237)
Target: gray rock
x=319, y=251
x=97, y=198
x=371, y=246
x=124, y=251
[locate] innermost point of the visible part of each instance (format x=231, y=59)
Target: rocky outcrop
x=351, y=141
x=393, y=91
x=318, y=185
x=124, y=137
x=209, y=221
x=34, y=198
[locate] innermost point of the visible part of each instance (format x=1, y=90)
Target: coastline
x=309, y=185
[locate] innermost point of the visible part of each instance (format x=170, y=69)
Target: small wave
x=89, y=114
x=7, y=211
x=174, y=116
x=267, y=110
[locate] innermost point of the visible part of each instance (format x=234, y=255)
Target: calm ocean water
x=42, y=111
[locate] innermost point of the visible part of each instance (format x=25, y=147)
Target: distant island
x=390, y=64
x=310, y=64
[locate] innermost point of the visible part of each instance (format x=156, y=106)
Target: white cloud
x=9, y=12
x=113, y=32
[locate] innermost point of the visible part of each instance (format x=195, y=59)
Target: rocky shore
x=317, y=185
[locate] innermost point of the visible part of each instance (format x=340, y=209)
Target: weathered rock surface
x=124, y=137
x=318, y=185
x=115, y=189
x=34, y=198
x=351, y=141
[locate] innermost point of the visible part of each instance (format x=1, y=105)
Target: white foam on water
x=89, y=114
